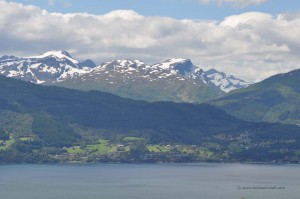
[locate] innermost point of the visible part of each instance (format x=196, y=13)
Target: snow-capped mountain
x=226, y=82
x=176, y=68
x=176, y=79
x=183, y=67
x=50, y=67
x=172, y=80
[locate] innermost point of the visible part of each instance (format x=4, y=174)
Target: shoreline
x=154, y=163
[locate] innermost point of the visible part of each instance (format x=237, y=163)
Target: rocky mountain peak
x=224, y=81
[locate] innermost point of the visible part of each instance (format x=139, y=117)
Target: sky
x=251, y=39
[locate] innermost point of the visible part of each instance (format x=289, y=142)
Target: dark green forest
x=46, y=123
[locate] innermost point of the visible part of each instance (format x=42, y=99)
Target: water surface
x=143, y=181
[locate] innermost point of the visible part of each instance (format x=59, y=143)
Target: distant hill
x=34, y=118
x=51, y=109
x=276, y=99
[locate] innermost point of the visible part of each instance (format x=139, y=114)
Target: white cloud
x=238, y=3
x=251, y=45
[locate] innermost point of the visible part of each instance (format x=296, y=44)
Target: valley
x=44, y=123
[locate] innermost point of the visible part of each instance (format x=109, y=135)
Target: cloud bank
x=252, y=46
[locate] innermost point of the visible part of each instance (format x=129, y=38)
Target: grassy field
x=102, y=147
x=106, y=147
x=75, y=149
x=132, y=139
x=186, y=149
x=8, y=143
x=25, y=138
x=158, y=149
x=205, y=152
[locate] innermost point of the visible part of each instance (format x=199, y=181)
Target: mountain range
x=275, y=99
x=50, y=67
x=175, y=79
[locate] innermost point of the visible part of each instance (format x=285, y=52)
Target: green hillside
x=276, y=99
x=159, y=90
x=40, y=123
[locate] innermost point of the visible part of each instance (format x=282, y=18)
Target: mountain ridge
x=52, y=66
x=172, y=80
x=176, y=79
x=226, y=82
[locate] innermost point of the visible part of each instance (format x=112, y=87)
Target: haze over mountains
x=175, y=79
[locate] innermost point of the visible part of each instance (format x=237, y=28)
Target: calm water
x=166, y=181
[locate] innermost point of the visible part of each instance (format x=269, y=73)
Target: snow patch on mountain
x=226, y=82
x=57, y=54
x=50, y=67
x=177, y=65
x=58, y=66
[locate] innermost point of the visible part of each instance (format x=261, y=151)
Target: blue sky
x=180, y=9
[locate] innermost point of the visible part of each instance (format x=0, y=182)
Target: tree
x=3, y=135
x=138, y=147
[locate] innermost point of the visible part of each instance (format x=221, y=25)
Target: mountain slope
x=173, y=80
x=107, y=111
x=44, y=119
x=47, y=68
x=226, y=82
x=276, y=99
